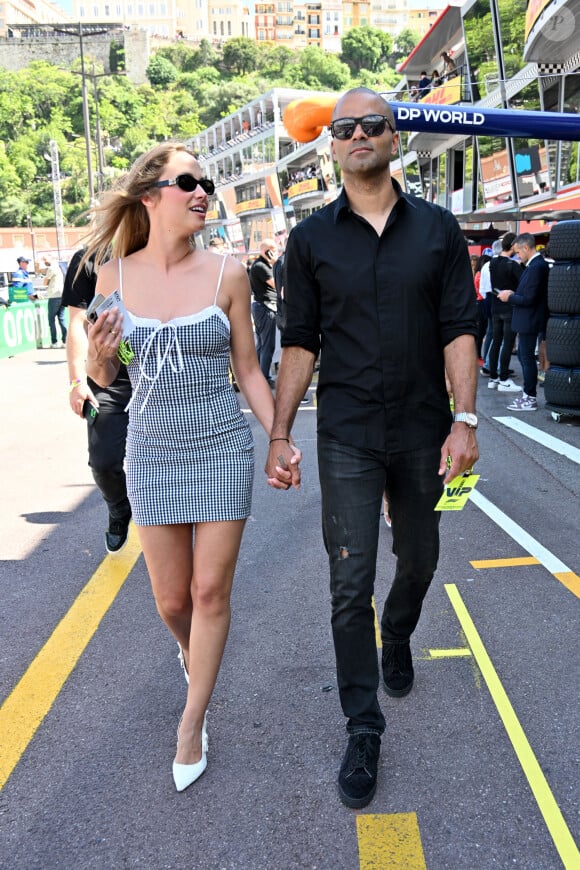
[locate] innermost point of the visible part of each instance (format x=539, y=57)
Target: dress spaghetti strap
x=120, y=277
x=220, y=279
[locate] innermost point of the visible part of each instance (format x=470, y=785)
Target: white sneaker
x=524, y=403
x=492, y=384
x=508, y=387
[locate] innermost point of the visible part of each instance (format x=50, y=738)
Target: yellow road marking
x=505, y=563
x=449, y=653
x=388, y=842
x=24, y=709
x=549, y=809
x=378, y=637
x=570, y=580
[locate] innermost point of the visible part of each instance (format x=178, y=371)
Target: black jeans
x=352, y=482
x=265, y=326
x=107, y=437
x=503, y=337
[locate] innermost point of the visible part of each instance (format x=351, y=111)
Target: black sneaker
x=357, y=780
x=398, y=673
x=116, y=535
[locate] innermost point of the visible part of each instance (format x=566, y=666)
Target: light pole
x=86, y=121
x=56, y=195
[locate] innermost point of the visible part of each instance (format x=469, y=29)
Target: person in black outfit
x=529, y=309
x=505, y=274
x=264, y=305
x=107, y=430
x=388, y=324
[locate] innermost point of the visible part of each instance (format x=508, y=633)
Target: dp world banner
x=422, y=118
x=23, y=326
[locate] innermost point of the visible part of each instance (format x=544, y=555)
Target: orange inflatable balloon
x=306, y=118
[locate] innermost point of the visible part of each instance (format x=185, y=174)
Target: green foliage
x=318, y=70
x=240, y=55
x=225, y=98
x=116, y=57
x=405, y=42
x=273, y=59
x=365, y=47
x=161, y=72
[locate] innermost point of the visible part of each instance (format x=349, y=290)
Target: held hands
x=282, y=465
x=461, y=448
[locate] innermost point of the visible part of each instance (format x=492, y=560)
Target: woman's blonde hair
x=121, y=220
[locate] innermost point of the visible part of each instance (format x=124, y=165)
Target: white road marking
x=520, y=536
x=555, y=444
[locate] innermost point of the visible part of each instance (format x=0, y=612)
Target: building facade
x=294, y=23
x=21, y=13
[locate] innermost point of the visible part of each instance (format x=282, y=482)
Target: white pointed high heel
x=186, y=774
x=181, y=659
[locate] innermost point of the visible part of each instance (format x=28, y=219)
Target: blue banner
x=429, y=118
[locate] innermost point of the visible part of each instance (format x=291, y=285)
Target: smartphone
x=92, y=312
x=90, y=412
x=495, y=291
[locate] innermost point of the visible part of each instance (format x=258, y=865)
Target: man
x=504, y=274
x=483, y=285
x=529, y=307
x=387, y=324
x=264, y=305
x=107, y=429
x=54, y=283
x=21, y=280
x=424, y=84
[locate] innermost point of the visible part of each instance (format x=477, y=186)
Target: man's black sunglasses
x=371, y=125
x=188, y=183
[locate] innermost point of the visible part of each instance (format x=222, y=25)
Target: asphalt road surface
x=480, y=763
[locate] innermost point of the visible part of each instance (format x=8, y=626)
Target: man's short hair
x=507, y=241
x=525, y=239
x=496, y=248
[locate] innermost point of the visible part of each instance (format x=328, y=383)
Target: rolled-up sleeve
x=301, y=295
x=458, y=310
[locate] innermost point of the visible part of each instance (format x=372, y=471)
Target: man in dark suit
x=529, y=316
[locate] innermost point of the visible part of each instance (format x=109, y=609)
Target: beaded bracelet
x=75, y=382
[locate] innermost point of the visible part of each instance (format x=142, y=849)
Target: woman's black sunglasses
x=371, y=125
x=188, y=183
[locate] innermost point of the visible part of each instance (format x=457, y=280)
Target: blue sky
x=64, y=4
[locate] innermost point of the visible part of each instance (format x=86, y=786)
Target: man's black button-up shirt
x=380, y=310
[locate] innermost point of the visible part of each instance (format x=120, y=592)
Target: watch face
x=465, y=417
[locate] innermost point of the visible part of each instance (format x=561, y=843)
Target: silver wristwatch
x=465, y=417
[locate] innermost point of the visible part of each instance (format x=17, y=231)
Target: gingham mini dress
x=190, y=452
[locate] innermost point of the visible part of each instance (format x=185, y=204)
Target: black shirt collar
x=342, y=204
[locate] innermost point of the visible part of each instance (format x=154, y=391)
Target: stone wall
x=63, y=50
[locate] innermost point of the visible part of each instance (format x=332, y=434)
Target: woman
x=449, y=68
x=190, y=455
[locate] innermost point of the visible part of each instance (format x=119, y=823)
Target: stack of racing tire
x=562, y=383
